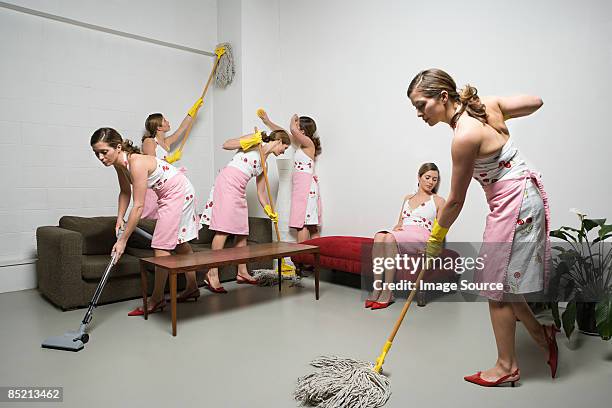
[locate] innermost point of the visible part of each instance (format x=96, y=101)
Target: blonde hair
x=431, y=83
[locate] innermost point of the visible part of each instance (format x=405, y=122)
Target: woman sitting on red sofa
x=413, y=227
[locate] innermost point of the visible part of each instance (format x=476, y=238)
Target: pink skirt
x=176, y=214
x=150, y=205
x=303, y=183
x=228, y=211
x=410, y=240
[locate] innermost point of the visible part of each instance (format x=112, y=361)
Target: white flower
x=581, y=214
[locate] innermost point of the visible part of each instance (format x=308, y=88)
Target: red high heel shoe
x=220, y=289
x=553, y=349
x=369, y=303
x=242, y=280
x=381, y=305
x=157, y=307
x=478, y=380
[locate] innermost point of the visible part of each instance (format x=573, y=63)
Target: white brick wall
x=59, y=83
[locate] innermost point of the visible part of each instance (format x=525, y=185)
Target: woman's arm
x=298, y=135
x=148, y=146
x=173, y=138
x=234, y=144
x=266, y=120
x=261, y=190
x=125, y=193
x=519, y=105
x=439, y=201
x=464, y=151
x=139, y=173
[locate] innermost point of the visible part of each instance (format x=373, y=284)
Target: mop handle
x=188, y=131
x=265, y=173
x=406, y=305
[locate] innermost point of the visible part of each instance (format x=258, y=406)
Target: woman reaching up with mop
x=411, y=232
x=516, y=239
x=176, y=221
x=157, y=143
x=306, y=211
x=226, y=210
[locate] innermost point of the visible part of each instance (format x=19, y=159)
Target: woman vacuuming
x=481, y=148
x=409, y=236
x=176, y=221
x=226, y=210
x=156, y=143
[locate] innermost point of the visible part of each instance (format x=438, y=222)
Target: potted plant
x=583, y=277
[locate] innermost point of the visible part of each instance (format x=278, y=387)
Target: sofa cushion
x=346, y=253
x=98, y=232
x=343, y=247
x=138, y=241
x=93, y=267
x=139, y=252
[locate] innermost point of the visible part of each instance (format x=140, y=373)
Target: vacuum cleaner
x=75, y=340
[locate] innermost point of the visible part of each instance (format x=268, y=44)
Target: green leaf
x=569, y=318
x=603, y=318
x=596, y=240
x=559, y=248
x=590, y=224
x=570, y=229
x=605, y=229
x=554, y=306
x=562, y=235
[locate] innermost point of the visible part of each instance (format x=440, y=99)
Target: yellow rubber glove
x=273, y=216
x=261, y=113
x=248, y=142
x=436, y=239
x=175, y=156
x=195, y=107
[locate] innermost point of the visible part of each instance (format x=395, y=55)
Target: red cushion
x=341, y=246
x=344, y=253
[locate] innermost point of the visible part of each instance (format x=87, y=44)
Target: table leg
x=316, y=273
x=280, y=273
x=144, y=284
x=173, y=300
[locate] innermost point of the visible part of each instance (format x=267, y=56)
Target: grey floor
x=246, y=349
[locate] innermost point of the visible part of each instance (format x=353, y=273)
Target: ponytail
x=470, y=103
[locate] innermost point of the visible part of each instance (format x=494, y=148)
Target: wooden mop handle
x=203, y=95
x=265, y=173
x=407, y=304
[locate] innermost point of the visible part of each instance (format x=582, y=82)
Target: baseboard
x=17, y=277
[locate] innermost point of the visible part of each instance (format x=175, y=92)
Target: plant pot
x=585, y=317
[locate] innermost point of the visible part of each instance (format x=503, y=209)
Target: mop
x=75, y=340
x=225, y=70
x=269, y=277
x=349, y=383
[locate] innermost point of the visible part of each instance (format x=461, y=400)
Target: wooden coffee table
x=176, y=264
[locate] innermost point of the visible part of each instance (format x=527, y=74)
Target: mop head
x=342, y=382
x=225, y=69
x=269, y=277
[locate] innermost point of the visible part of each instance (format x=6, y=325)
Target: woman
x=306, y=211
x=481, y=148
x=413, y=227
x=226, y=210
x=156, y=143
x=176, y=222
